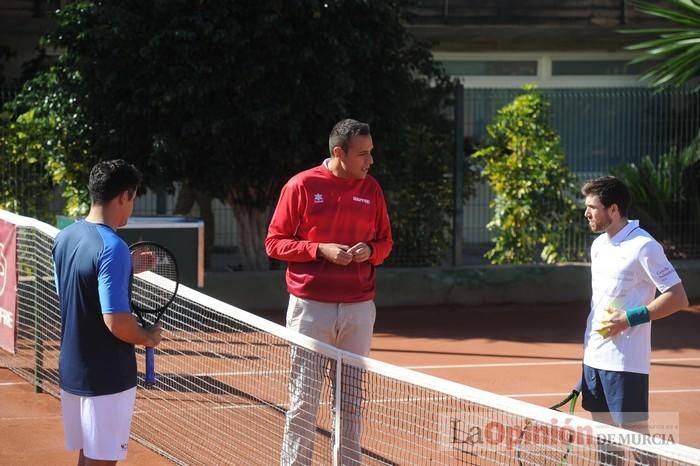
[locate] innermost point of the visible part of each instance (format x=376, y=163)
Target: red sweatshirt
x=315, y=207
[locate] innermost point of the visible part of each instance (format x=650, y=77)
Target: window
x=490, y=67
x=597, y=68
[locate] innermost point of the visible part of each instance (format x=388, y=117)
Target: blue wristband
x=637, y=315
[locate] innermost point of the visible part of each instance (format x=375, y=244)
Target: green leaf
x=677, y=46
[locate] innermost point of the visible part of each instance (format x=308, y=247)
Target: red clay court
x=530, y=352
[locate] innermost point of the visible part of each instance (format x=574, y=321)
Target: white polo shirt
x=626, y=271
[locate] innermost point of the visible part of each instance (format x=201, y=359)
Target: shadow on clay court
x=526, y=323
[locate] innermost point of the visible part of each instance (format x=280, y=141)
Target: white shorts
x=99, y=425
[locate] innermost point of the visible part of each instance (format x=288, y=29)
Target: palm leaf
x=679, y=47
x=675, y=70
x=665, y=193
x=673, y=13
x=655, y=30
x=665, y=43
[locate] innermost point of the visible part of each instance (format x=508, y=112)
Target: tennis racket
x=534, y=446
x=153, y=287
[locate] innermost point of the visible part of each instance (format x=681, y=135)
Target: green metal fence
x=7, y=93
x=600, y=130
x=21, y=179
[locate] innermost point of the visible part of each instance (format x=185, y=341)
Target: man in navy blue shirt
x=97, y=364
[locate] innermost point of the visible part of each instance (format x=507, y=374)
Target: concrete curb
x=435, y=286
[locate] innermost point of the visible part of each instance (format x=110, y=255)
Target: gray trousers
x=348, y=327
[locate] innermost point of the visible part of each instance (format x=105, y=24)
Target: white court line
x=446, y=366
x=253, y=372
x=537, y=395
x=2, y=384
x=30, y=418
x=677, y=390
x=539, y=363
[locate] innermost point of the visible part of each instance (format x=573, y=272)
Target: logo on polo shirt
x=664, y=273
x=318, y=198
x=361, y=199
x=125, y=446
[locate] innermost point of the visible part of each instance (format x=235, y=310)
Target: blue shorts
x=625, y=395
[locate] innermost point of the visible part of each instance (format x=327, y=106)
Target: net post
x=38, y=336
x=458, y=214
x=337, y=421
x=38, y=354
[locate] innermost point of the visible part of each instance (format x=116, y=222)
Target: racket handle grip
x=150, y=378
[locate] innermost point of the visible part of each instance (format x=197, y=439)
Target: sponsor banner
x=8, y=286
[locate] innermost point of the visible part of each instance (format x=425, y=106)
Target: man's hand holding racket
x=143, y=260
x=153, y=288
x=153, y=335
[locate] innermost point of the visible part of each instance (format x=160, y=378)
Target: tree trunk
x=252, y=224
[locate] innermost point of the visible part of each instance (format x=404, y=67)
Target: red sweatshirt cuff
x=313, y=250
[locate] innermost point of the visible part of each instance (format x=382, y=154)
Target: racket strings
x=544, y=444
x=155, y=280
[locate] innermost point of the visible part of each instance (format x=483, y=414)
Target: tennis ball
x=602, y=331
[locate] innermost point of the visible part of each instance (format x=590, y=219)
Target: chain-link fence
x=600, y=129
x=21, y=180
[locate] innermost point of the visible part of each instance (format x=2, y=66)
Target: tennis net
x=225, y=378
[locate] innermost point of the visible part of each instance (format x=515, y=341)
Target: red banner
x=8, y=286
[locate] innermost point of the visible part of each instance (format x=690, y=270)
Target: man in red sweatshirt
x=332, y=227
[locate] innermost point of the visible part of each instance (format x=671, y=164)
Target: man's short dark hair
x=109, y=178
x=343, y=131
x=610, y=190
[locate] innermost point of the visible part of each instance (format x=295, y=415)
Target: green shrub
x=419, y=198
x=523, y=163
x=666, y=196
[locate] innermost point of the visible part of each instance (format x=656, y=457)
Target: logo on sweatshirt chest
x=319, y=199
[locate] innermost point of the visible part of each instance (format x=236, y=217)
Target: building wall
x=572, y=49
x=435, y=286
x=509, y=12
x=525, y=25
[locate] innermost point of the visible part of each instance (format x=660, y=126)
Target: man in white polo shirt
x=627, y=267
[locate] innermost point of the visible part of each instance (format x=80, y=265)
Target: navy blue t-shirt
x=93, y=269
